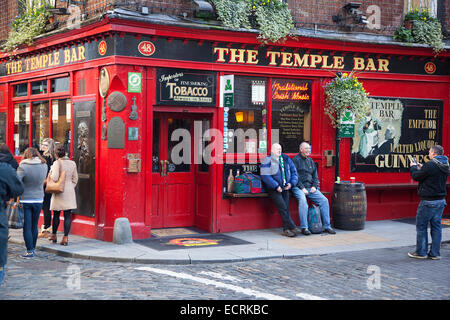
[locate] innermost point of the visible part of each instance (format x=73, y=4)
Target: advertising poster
x=393, y=132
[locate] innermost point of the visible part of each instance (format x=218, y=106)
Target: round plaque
x=103, y=82
x=116, y=101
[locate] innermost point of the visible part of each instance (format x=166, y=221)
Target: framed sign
x=395, y=131
x=185, y=87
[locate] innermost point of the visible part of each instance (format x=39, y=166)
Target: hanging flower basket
x=345, y=93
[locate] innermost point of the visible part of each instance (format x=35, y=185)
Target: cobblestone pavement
x=373, y=274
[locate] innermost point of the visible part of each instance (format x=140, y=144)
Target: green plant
x=30, y=24
x=272, y=17
x=404, y=35
x=343, y=93
x=425, y=29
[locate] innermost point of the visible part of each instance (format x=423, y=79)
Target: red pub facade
x=157, y=115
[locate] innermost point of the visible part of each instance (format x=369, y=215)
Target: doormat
x=170, y=232
x=445, y=222
x=190, y=242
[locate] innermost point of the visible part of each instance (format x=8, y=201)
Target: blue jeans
x=319, y=199
x=3, y=234
x=429, y=212
x=31, y=213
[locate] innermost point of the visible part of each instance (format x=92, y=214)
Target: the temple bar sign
x=297, y=60
x=55, y=58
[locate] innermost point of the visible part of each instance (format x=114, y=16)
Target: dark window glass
x=40, y=121
x=61, y=116
x=39, y=87
x=60, y=84
x=20, y=90
x=178, y=135
x=245, y=128
x=155, y=153
x=21, y=127
x=2, y=127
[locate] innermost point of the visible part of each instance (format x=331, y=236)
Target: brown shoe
x=65, y=241
x=44, y=234
x=52, y=237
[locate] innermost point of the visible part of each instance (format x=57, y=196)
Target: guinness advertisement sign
x=394, y=132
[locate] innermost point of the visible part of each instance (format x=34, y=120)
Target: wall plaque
x=117, y=101
x=116, y=133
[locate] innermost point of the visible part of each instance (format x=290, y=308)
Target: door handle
x=161, y=169
x=166, y=163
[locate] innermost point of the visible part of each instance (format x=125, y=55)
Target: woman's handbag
x=56, y=187
x=14, y=211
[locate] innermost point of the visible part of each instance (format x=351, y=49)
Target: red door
x=174, y=171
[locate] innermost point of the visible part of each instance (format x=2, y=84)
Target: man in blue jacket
x=432, y=177
x=10, y=187
x=279, y=175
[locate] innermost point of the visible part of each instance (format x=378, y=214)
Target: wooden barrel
x=349, y=205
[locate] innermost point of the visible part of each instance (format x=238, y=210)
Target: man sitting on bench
x=279, y=175
x=307, y=187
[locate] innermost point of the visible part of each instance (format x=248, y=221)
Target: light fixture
x=239, y=116
x=351, y=16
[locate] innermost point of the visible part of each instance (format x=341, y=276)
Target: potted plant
x=271, y=17
x=345, y=93
x=420, y=27
x=30, y=24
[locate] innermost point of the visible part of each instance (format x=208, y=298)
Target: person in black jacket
x=432, y=177
x=10, y=187
x=48, y=153
x=308, y=187
x=279, y=175
x=7, y=157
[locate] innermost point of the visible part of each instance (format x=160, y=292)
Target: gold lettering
x=221, y=55
x=239, y=55
x=81, y=50
x=383, y=65
x=74, y=56
x=252, y=56
x=370, y=65
x=338, y=62
x=301, y=62
x=66, y=56
x=358, y=63
x=325, y=63
x=273, y=55
x=286, y=58
x=315, y=59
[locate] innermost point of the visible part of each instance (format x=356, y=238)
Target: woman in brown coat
x=65, y=201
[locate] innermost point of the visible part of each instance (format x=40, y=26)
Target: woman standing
x=48, y=153
x=32, y=171
x=65, y=201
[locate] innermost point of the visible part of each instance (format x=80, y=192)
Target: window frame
x=48, y=97
x=250, y=157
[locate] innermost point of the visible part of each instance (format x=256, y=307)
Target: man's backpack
x=314, y=220
x=247, y=183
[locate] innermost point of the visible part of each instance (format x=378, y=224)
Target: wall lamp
x=351, y=16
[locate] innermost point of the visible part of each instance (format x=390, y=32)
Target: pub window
x=245, y=128
x=40, y=122
x=60, y=84
x=61, y=117
x=21, y=127
x=291, y=112
x=2, y=127
x=39, y=87
x=20, y=90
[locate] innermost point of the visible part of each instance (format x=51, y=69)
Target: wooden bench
x=231, y=195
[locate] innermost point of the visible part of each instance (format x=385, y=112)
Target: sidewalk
x=264, y=244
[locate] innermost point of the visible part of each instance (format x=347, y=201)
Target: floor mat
x=445, y=222
x=168, y=232
x=190, y=242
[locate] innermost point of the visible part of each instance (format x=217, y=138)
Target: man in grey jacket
x=308, y=187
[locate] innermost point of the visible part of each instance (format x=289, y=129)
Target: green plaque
x=228, y=100
x=346, y=130
x=134, y=82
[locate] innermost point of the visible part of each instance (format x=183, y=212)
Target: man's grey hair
x=438, y=150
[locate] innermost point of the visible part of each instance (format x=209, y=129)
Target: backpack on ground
x=314, y=220
x=247, y=183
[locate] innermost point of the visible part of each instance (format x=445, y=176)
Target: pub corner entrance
x=181, y=187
